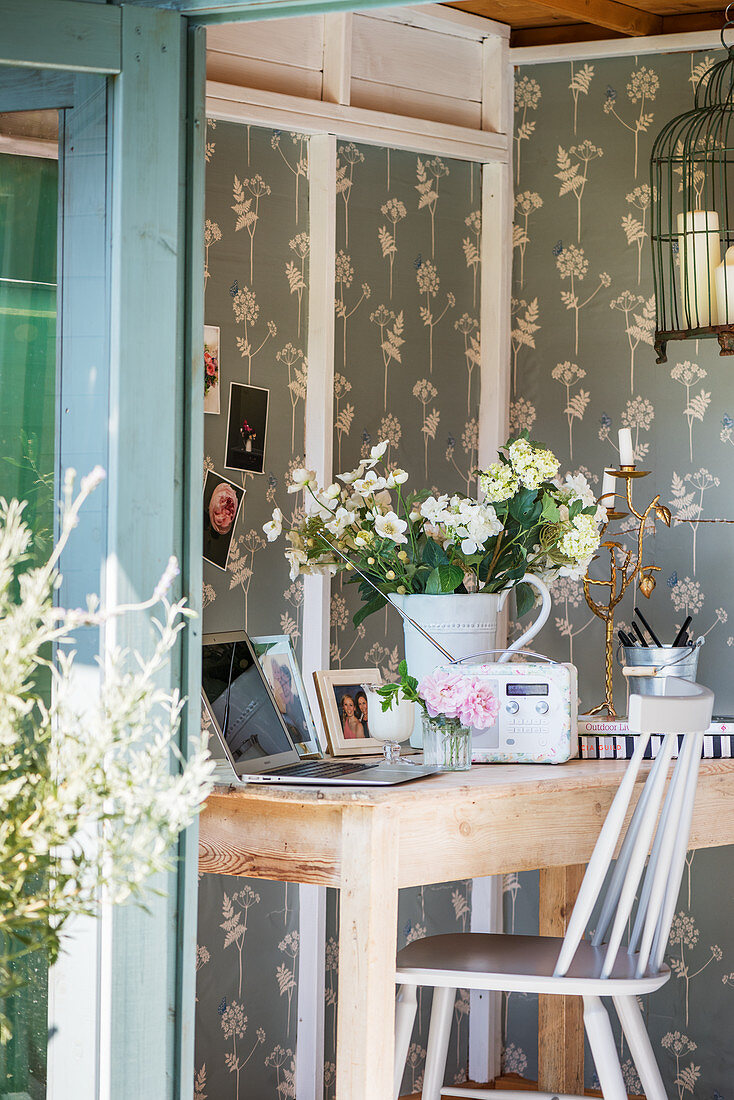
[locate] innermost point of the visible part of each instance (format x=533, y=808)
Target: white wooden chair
x=590, y=968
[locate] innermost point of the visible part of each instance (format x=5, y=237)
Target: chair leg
x=640, y=1046
x=405, y=1007
x=442, y=1011
x=603, y=1049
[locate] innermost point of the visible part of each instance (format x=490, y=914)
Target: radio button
x=512, y=707
x=541, y=707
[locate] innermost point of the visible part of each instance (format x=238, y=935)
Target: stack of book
x=610, y=739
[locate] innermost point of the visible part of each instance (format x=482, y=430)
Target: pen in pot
x=682, y=633
x=656, y=641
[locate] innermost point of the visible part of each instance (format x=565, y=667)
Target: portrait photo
x=345, y=709
x=279, y=663
x=222, y=501
x=247, y=422
x=211, y=368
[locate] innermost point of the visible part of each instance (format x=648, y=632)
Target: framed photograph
x=247, y=424
x=211, y=368
x=278, y=662
x=222, y=501
x=345, y=711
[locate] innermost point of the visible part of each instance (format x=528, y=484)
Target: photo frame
x=212, y=368
x=247, y=425
x=279, y=663
x=332, y=687
x=222, y=503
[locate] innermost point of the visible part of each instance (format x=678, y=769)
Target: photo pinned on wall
x=222, y=501
x=280, y=666
x=247, y=424
x=345, y=709
x=212, y=364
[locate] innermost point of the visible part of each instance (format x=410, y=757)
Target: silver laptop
x=251, y=731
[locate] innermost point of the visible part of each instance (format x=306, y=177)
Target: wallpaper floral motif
x=583, y=366
x=406, y=369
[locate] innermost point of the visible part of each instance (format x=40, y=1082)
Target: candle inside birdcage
x=699, y=250
x=725, y=288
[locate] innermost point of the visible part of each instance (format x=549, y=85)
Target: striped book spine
x=716, y=746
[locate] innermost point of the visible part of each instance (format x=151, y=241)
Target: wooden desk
x=369, y=843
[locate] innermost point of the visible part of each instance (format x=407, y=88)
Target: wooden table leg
x=560, y=1019
x=368, y=917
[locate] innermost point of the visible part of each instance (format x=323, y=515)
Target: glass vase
x=446, y=744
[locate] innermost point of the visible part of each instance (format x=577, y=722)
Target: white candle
x=700, y=254
x=626, y=453
x=608, y=489
x=724, y=276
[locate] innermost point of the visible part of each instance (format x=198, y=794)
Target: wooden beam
x=561, y=33
x=689, y=23
x=261, y=108
x=601, y=13
x=211, y=12
x=45, y=34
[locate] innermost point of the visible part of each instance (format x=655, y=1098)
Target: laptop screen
x=240, y=702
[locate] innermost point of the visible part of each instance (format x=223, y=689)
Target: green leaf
x=433, y=554
x=524, y=507
x=444, y=578
x=524, y=598
x=551, y=512
x=368, y=609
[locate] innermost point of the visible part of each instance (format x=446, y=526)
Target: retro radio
x=537, y=722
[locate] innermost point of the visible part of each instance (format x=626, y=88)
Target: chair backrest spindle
x=659, y=827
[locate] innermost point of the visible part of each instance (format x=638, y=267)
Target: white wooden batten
x=436, y=81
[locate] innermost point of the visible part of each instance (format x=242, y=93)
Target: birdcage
x=692, y=215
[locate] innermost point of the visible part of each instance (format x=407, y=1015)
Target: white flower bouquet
x=527, y=522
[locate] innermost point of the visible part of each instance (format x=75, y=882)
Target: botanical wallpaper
x=256, y=238
x=406, y=369
x=582, y=367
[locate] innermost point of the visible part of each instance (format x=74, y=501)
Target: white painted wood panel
x=264, y=108
x=296, y=42
x=337, y=57
x=271, y=76
x=404, y=101
x=617, y=47
x=408, y=57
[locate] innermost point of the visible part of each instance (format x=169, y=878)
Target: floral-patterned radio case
x=537, y=722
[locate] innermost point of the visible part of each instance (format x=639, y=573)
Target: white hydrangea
x=533, y=465
x=498, y=482
x=579, y=544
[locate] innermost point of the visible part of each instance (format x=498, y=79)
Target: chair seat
x=478, y=960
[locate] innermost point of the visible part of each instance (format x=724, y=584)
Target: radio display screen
x=527, y=689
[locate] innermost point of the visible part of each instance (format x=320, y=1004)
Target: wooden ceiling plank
x=691, y=22
x=607, y=13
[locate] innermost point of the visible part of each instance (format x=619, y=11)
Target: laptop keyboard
x=325, y=769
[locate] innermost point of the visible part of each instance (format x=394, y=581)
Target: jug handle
x=535, y=627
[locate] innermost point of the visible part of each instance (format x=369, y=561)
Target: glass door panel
x=29, y=197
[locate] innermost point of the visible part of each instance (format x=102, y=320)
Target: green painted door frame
x=147, y=187
x=147, y=241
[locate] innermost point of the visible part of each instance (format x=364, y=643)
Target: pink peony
x=480, y=706
x=442, y=691
x=457, y=695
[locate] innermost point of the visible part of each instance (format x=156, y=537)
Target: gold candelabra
x=622, y=572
